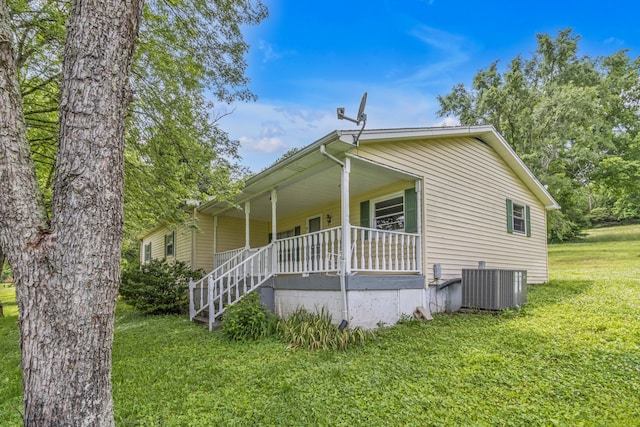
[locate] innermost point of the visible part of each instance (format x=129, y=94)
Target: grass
x=570, y=357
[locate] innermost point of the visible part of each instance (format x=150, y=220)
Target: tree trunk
x=67, y=270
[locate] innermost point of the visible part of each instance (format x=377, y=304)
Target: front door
x=314, y=224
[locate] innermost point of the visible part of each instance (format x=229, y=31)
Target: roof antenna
x=361, y=118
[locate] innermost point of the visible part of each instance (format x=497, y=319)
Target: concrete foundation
x=372, y=300
x=447, y=300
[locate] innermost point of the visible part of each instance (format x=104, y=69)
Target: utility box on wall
x=491, y=289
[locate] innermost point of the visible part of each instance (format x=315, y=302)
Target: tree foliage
x=573, y=119
x=190, y=54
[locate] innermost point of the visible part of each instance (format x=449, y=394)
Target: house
x=366, y=225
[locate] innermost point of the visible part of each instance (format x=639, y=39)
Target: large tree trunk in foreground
x=67, y=271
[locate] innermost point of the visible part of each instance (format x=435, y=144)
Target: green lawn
x=570, y=357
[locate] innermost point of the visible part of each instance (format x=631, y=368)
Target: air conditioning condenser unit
x=493, y=289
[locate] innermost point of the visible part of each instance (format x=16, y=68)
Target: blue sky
x=310, y=57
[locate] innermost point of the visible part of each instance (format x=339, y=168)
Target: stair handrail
x=193, y=312
x=236, y=276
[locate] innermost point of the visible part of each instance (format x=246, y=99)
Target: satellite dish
x=360, y=118
x=363, y=102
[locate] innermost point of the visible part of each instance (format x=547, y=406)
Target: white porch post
x=247, y=211
x=274, y=230
x=419, y=228
x=346, y=236
x=274, y=202
x=346, y=226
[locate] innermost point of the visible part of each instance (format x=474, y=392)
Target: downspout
x=346, y=235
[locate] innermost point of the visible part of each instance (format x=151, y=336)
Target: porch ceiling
x=311, y=185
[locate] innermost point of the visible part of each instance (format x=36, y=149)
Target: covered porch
x=325, y=211
x=314, y=206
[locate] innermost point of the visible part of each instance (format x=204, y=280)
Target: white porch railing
x=319, y=252
x=309, y=253
x=221, y=258
x=384, y=251
x=371, y=251
x=229, y=283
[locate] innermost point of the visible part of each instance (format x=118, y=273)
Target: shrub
x=158, y=287
x=248, y=319
x=314, y=331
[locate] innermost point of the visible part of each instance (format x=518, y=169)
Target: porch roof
x=309, y=179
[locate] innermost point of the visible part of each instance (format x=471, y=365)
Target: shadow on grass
x=556, y=291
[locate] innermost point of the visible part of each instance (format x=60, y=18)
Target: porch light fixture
x=360, y=118
x=328, y=219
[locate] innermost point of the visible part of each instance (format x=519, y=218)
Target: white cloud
x=270, y=53
x=450, y=121
x=613, y=41
x=270, y=127
x=449, y=52
x=293, y=114
x=262, y=145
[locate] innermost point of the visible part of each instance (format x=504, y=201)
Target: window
x=286, y=234
x=519, y=222
x=388, y=214
x=147, y=253
x=169, y=244
x=393, y=212
x=518, y=218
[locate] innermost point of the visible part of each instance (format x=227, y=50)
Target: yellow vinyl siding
x=464, y=207
x=203, y=233
x=183, y=245
x=299, y=219
x=156, y=237
x=231, y=233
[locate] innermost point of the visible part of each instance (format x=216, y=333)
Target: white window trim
x=173, y=245
x=515, y=203
x=144, y=253
x=372, y=207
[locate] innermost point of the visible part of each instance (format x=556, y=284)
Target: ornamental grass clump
x=314, y=331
